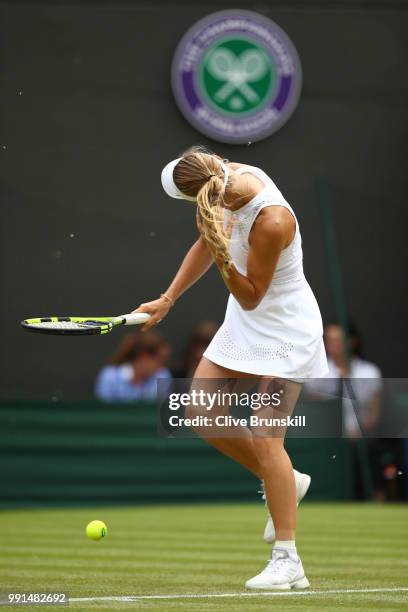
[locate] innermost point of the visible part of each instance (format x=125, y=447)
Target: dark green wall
x=95, y=122
x=88, y=453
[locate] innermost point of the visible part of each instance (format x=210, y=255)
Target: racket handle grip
x=136, y=318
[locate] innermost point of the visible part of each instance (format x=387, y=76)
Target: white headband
x=170, y=186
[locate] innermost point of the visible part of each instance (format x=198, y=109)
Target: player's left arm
x=272, y=231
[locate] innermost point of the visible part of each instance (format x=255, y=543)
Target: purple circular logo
x=236, y=76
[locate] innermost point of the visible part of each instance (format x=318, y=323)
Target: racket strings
x=66, y=324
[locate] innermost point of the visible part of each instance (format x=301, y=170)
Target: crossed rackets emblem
x=237, y=72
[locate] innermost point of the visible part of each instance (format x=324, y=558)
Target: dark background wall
x=88, y=121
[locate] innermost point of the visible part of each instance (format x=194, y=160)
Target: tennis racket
x=82, y=326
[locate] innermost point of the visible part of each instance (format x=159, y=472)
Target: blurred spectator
x=134, y=371
x=359, y=382
x=200, y=338
x=363, y=414
x=362, y=396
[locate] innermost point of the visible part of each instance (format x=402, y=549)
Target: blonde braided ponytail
x=200, y=175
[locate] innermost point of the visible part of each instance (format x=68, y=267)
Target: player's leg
x=285, y=569
x=279, y=483
x=240, y=447
x=302, y=482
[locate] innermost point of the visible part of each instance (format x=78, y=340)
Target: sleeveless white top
x=283, y=335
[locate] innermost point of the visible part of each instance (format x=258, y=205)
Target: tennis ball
x=95, y=530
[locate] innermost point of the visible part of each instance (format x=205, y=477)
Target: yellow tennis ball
x=95, y=530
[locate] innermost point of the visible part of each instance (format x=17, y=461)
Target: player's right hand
x=158, y=309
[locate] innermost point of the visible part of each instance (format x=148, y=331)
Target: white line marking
x=130, y=598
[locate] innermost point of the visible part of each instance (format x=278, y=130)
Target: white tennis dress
x=283, y=335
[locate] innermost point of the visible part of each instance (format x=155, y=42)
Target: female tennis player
x=272, y=327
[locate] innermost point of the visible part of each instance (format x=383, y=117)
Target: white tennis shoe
x=283, y=572
x=302, y=486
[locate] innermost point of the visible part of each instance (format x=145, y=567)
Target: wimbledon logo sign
x=236, y=76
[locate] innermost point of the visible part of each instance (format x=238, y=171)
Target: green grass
x=205, y=549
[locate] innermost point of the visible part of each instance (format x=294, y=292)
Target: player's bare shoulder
x=274, y=221
x=235, y=165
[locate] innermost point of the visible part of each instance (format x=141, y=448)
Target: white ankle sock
x=289, y=545
x=286, y=544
